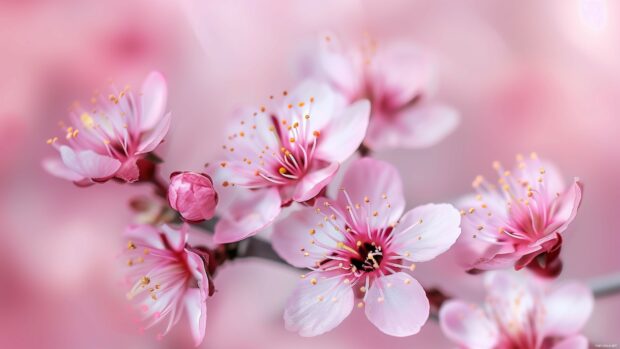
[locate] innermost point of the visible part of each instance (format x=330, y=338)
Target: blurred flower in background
x=118, y=130
x=520, y=313
x=398, y=78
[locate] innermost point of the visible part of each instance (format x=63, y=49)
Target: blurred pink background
x=525, y=75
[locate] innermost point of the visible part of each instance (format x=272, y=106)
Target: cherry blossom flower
x=399, y=80
x=521, y=221
x=192, y=195
x=520, y=313
x=359, y=247
x=167, y=278
x=109, y=137
x=284, y=152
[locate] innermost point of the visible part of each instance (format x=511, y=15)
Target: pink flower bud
x=192, y=195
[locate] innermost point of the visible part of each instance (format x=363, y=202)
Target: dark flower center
x=369, y=257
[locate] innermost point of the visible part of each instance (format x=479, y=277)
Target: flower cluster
x=400, y=81
x=358, y=240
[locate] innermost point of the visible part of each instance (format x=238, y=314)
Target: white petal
x=467, y=325
x=57, y=168
x=325, y=105
x=245, y=212
x=153, y=100
x=151, y=140
x=196, y=308
x=375, y=186
x=293, y=236
x=88, y=163
x=419, y=126
x=313, y=182
x=427, y=231
x=314, y=309
x=397, y=305
x=344, y=133
x=568, y=308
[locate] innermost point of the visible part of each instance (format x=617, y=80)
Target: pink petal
x=494, y=260
x=529, y=170
x=196, y=309
x=564, y=208
x=568, y=307
x=129, y=170
x=89, y=164
x=344, y=133
x=503, y=283
x=196, y=298
x=467, y=325
x=314, y=309
x=144, y=233
x=419, y=126
x=153, y=100
x=397, y=305
x=296, y=232
x=200, y=237
x=323, y=109
x=427, y=231
x=152, y=139
x=237, y=171
x=575, y=342
x=245, y=212
x=507, y=288
x=175, y=237
x=57, y=168
x=399, y=73
x=381, y=184
x=312, y=183
x=331, y=62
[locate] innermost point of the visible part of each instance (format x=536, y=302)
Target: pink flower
x=167, y=277
x=520, y=222
x=109, y=136
x=520, y=314
x=398, y=79
x=192, y=195
x=287, y=151
x=359, y=246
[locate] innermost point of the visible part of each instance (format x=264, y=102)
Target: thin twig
x=605, y=285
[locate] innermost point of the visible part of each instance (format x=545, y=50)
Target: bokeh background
x=525, y=75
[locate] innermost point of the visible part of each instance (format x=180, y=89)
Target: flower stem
x=606, y=285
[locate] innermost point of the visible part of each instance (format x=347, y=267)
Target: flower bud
x=192, y=195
